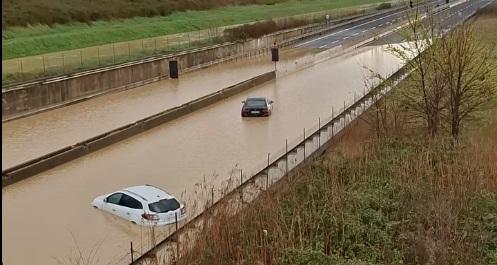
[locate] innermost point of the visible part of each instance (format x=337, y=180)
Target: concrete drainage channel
x=51, y=160
x=285, y=163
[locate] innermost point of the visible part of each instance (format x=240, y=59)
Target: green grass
x=40, y=39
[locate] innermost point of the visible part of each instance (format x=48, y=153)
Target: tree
x=465, y=71
x=450, y=73
x=423, y=93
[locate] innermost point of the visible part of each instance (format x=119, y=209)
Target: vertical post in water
x=241, y=188
x=212, y=196
x=319, y=134
x=267, y=172
x=131, y=248
x=304, y=144
x=286, y=155
x=177, y=235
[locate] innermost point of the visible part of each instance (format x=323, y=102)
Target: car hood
x=98, y=201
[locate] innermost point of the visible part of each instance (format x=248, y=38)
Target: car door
x=111, y=204
x=131, y=209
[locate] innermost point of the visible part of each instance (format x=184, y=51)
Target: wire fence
x=27, y=68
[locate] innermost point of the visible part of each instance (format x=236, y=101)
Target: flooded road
x=50, y=214
x=34, y=136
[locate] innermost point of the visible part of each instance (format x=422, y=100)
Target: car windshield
x=164, y=205
x=255, y=103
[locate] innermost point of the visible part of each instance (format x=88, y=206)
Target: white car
x=144, y=205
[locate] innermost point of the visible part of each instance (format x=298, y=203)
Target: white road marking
x=356, y=26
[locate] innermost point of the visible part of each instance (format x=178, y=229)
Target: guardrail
x=53, y=159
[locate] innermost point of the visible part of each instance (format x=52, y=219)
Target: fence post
x=155, y=45
x=142, y=45
x=63, y=63
x=319, y=134
x=267, y=172
x=212, y=196
x=20, y=63
x=44, y=66
x=113, y=52
x=304, y=144
x=241, y=187
x=132, y=259
x=98, y=55
x=177, y=235
x=286, y=155
x=129, y=50
x=81, y=57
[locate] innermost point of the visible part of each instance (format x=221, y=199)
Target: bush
x=384, y=6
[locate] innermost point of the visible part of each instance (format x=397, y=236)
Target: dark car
x=256, y=107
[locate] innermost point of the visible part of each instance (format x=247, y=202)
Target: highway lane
x=42, y=213
x=373, y=26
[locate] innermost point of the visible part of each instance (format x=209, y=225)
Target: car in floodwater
x=144, y=205
x=257, y=107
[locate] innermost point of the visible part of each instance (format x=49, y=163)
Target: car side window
x=114, y=198
x=130, y=202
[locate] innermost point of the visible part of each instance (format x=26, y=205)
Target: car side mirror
x=271, y=102
x=243, y=101
x=105, y=199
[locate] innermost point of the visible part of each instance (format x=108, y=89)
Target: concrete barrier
x=66, y=154
x=33, y=97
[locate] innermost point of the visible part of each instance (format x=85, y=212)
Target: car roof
x=256, y=98
x=148, y=193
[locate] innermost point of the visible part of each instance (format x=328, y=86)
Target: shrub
x=384, y=6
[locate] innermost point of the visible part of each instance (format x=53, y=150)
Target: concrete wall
x=46, y=162
x=31, y=98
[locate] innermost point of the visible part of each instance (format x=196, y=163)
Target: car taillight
x=265, y=111
x=150, y=217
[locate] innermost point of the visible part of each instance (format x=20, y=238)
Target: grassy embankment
x=396, y=199
x=39, y=39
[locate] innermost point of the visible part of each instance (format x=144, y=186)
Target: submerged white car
x=144, y=205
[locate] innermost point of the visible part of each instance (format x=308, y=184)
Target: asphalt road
x=370, y=27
